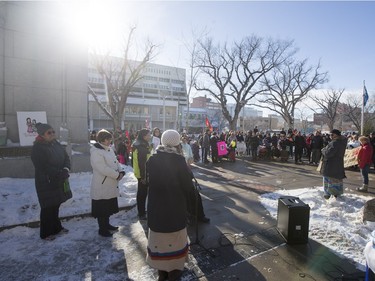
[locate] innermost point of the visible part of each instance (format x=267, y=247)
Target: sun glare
x=94, y=23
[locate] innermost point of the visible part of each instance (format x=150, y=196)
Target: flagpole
x=363, y=107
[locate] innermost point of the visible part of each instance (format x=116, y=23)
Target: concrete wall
x=42, y=68
x=22, y=166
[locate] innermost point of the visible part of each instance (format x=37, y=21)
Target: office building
x=156, y=99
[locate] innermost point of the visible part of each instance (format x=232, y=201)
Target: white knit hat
x=170, y=138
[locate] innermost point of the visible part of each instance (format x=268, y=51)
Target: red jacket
x=365, y=155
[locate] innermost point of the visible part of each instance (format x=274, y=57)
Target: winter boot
x=163, y=275
x=174, y=275
x=103, y=227
x=363, y=188
x=326, y=196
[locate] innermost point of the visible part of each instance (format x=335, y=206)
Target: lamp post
x=270, y=123
x=163, y=113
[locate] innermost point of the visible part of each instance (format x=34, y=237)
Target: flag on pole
x=208, y=124
x=365, y=96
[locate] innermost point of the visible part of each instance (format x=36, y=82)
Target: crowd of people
x=291, y=144
x=167, y=197
x=285, y=145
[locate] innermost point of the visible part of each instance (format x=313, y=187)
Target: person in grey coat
x=333, y=165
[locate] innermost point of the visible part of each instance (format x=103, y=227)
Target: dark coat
x=317, y=142
x=333, y=158
x=254, y=142
x=213, y=142
x=299, y=141
x=170, y=185
x=49, y=159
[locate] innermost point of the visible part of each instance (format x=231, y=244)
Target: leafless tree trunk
x=287, y=85
x=233, y=73
x=328, y=104
x=120, y=76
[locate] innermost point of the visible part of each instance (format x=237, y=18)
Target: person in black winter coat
x=300, y=144
x=254, y=143
x=316, y=147
x=52, y=166
x=170, y=185
x=332, y=170
x=214, y=151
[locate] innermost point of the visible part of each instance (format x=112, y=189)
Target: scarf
x=169, y=149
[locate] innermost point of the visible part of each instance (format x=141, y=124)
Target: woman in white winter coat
x=107, y=172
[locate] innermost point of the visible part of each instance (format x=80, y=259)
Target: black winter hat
x=336, y=132
x=41, y=128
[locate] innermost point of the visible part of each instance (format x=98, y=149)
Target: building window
x=164, y=79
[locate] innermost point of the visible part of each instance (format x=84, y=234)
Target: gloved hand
x=63, y=175
x=121, y=175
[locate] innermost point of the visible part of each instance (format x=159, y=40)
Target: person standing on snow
x=106, y=173
x=52, y=165
x=364, y=161
x=333, y=165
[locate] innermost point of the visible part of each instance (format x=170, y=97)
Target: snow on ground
x=19, y=202
x=335, y=223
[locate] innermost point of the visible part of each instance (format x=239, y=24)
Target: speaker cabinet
x=293, y=220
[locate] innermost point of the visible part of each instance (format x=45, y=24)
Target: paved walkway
x=242, y=238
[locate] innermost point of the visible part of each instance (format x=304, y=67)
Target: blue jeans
x=364, y=173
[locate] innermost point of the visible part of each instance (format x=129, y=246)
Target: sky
x=338, y=33
x=336, y=223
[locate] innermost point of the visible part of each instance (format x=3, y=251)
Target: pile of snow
x=335, y=223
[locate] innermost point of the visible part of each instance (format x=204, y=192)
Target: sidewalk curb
x=35, y=224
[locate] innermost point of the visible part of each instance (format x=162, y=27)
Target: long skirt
x=167, y=251
x=104, y=207
x=333, y=186
x=49, y=221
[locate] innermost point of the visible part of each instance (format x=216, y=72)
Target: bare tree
x=233, y=74
x=120, y=76
x=353, y=112
x=303, y=116
x=193, y=71
x=328, y=105
x=287, y=85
